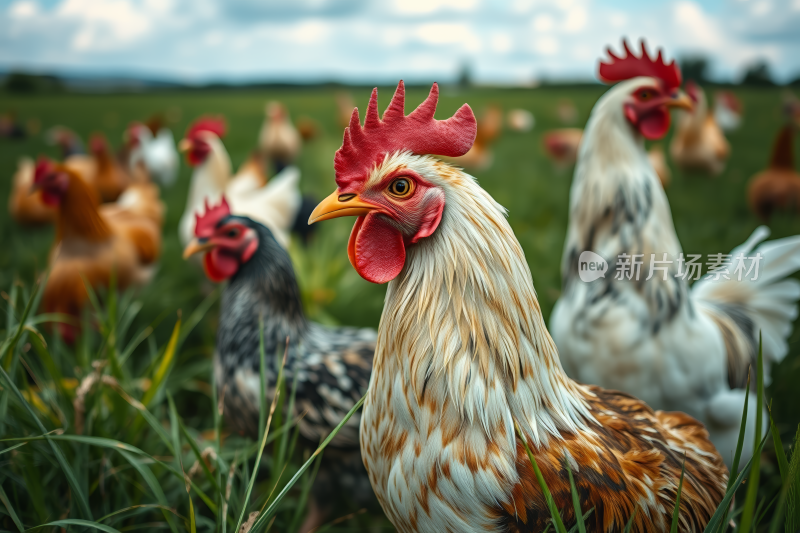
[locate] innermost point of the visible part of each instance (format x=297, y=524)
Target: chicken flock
x=636, y=386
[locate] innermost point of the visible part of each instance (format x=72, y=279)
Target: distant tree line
x=757, y=74
x=24, y=83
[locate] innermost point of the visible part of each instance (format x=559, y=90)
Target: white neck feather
x=210, y=178
x=463, y=328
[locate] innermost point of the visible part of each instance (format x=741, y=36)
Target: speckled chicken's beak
x=681, y=101
x=196, y=246
x=184, y=145
x=340, y=205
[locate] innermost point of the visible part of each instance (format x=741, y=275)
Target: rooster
x=156, y=150
x=463, y=355
x=275, y=204
x=777, y=187
x=92, y=244
x=698, y=143
x=279, y=140
x=110, y=177
x=331, y=365
x=674, y=348
x=520, y=120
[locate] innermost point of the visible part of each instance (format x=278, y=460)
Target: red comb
x=206, y=224
x=631, y=66
x=215, y=125
x=98, y=143
x=419, y=132
x=44, y=167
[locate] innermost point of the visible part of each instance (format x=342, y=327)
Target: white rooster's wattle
x=675, y=347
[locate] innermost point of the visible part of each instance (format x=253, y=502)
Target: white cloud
x=576, y=19
x=23, y=9
x=543, y=22
x=444, y=33
x=104, y=23
x=501, y=43
x=426, y=7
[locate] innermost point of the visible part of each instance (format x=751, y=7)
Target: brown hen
x=778, y=187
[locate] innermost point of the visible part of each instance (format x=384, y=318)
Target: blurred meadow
x=173, y=379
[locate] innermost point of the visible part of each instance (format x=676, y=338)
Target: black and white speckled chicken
x=332, y=365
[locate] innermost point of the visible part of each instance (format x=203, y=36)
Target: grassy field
x=710, y=215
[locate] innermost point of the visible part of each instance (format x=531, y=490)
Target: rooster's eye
x=401, y=187
x=233, y=233
x=645, y=94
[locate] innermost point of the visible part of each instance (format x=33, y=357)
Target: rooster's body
x=673, y=347
x=463, y=355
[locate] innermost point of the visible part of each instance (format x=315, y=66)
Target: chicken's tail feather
x=766, y=302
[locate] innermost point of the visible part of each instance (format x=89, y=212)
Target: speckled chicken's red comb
x=631, y=66
x=215, y=125
x=206, y=224
x=43, y=168
x=418, y=132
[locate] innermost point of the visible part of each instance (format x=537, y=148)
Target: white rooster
x=158, y=153
x=674, y=347
x=274, y=203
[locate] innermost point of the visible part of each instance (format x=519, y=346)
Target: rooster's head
x=199, y=136
x=51, y=179
x=387, y=179
x=648, y=90
x=226, y=240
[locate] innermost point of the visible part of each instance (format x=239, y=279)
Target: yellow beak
x=196, y=247
x=340, y=205
x=681, y=101
x=184, y=145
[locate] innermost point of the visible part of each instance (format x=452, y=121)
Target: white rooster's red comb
x=632, y=66
x=206, y=224
x=215, y=125
x=418, y=132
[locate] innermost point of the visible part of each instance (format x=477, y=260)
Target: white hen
x=674, y=347
x=274, y=203
x=158, y=153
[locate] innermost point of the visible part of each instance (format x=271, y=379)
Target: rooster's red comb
x=631, y=66
x=206, y=223
x=364, y=146
x=215, y=125
x=44, y=167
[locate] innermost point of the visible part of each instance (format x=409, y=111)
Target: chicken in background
x=67, y=141
x=658, y=160
x=698, y=143
x=566, y=111
x=332, y=365
x=778, y=187
x=464, y=359
x=728, y=111
x=25, y=204
x=651, y=335
x=274, y=204
x=520, y=120
x=561, y=146
x=110, y=178
x=93, y=243
x=480, y=156
x=791, y=107
x=308, y=128
x=279, y=140
x=153, y=145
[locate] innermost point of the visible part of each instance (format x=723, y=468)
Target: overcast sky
x=511, y=41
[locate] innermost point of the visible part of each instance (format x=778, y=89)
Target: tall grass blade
x=793, y=488
x=575, y=500
x=780, y=454
x=154, y=485
x=163, y=367
x=738, y=455
x=9, y=507
x=77, y=522
x=263, y=443
x=273, y=506
x=722, y=508
x=752, y=483
x=551, y=504
x=80, y=495
x=629, y=525
x=676, y=512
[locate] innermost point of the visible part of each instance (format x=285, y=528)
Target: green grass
x=710, y=215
